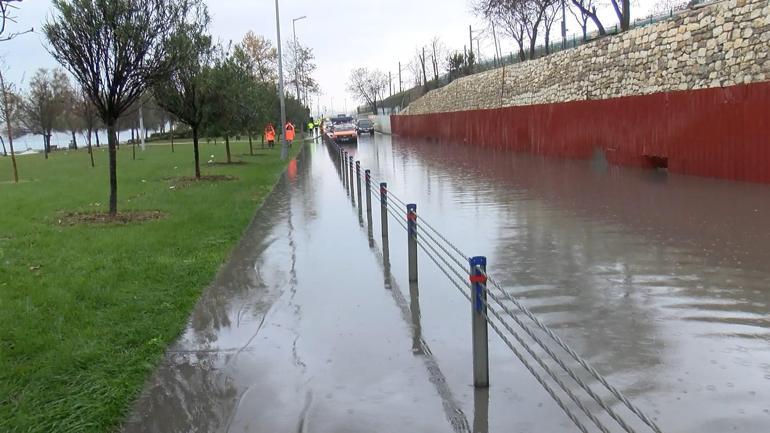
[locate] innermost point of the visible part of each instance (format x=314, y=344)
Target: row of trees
x=528, y=22
x=157, y=54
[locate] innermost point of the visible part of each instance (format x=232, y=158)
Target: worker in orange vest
x=270, y=135
x=289, y=132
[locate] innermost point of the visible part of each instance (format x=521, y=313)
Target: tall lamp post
x=284, y=149
x=296, y=55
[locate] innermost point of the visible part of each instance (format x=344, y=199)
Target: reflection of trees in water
x=190, y=393
x=574, y=275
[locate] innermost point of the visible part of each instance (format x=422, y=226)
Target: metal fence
x=582, y=393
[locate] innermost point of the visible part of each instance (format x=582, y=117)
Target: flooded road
x=661, y=282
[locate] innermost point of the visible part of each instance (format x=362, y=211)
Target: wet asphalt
x=660, y=281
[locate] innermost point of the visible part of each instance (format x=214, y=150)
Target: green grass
x=86, y=311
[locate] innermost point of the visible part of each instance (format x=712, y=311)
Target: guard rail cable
x=433, y=243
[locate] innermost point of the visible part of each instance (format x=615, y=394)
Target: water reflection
x=660, y=280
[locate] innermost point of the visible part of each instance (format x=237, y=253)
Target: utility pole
x=297, y=58
x=284, y=149
x=470, y=37
x=399, y=78
x=390, y=85
x=497, y=47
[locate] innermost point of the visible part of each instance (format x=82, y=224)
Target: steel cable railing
x=518, y=321
x=427, y=241
x=518, y=338
x=615, y=392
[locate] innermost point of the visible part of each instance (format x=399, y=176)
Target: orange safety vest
x=270, y=133
x=289, y=131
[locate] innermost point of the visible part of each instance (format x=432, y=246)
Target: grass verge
x=87, y=309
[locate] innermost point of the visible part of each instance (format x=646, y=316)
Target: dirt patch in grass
x=184, y=182
x=227, y=163
x=130, y=217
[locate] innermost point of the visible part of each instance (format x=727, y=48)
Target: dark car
x=365, y=126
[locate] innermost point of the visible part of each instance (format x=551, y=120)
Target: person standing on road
x=289, y=132
x=270, y=135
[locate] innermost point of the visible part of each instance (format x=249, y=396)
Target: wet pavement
x=661, y=282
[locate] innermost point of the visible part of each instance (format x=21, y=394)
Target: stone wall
x=720, y=45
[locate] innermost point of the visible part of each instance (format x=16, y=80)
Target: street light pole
x=284, y=149
x=296, y=55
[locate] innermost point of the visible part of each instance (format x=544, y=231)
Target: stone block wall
x=720, y=45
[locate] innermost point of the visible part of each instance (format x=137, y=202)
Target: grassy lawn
x=86, y=311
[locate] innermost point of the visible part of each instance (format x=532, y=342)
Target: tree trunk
x=74, y=141
x=45, y=145
x=227, y=148
x=5, y=152
x=197, y=153
x=591, y=14
x=10, y=137
x=133, y=148
x=112, y=142
x=172, y=137
x=133, y=136
x=547, y=40
x=96, y=132
x=624, y=13
x=90, y=150
x=533, y=43
x=251, y=146
x=13, y=155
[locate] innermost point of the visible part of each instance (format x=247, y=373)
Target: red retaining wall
x=720, y=132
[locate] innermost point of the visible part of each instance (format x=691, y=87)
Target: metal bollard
x=368, y=182
x=384, y=211
x=358, y=185
x=411, y=223
x=479, y=321
x=350, y=177
x=344, y=168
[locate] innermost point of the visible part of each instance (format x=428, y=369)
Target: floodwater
x=659, y=281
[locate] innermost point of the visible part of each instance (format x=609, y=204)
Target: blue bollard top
x=411, y=207
x=478, y=261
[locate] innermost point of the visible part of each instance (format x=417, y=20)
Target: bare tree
x=44, y=104
x=551, y=10
x=6, y=9
x=623, y=11
x=184, y=92
x=422, y=60
x=368, y=85
x=115, y=50
x=299, y=66
x=438, y=56
x=70, y=120
x=263, y=56
x=587, y=9
x=86, y=110
x=10, y=103
x=520, y=19
x=414, y=69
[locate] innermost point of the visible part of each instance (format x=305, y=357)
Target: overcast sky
x=343, y=34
